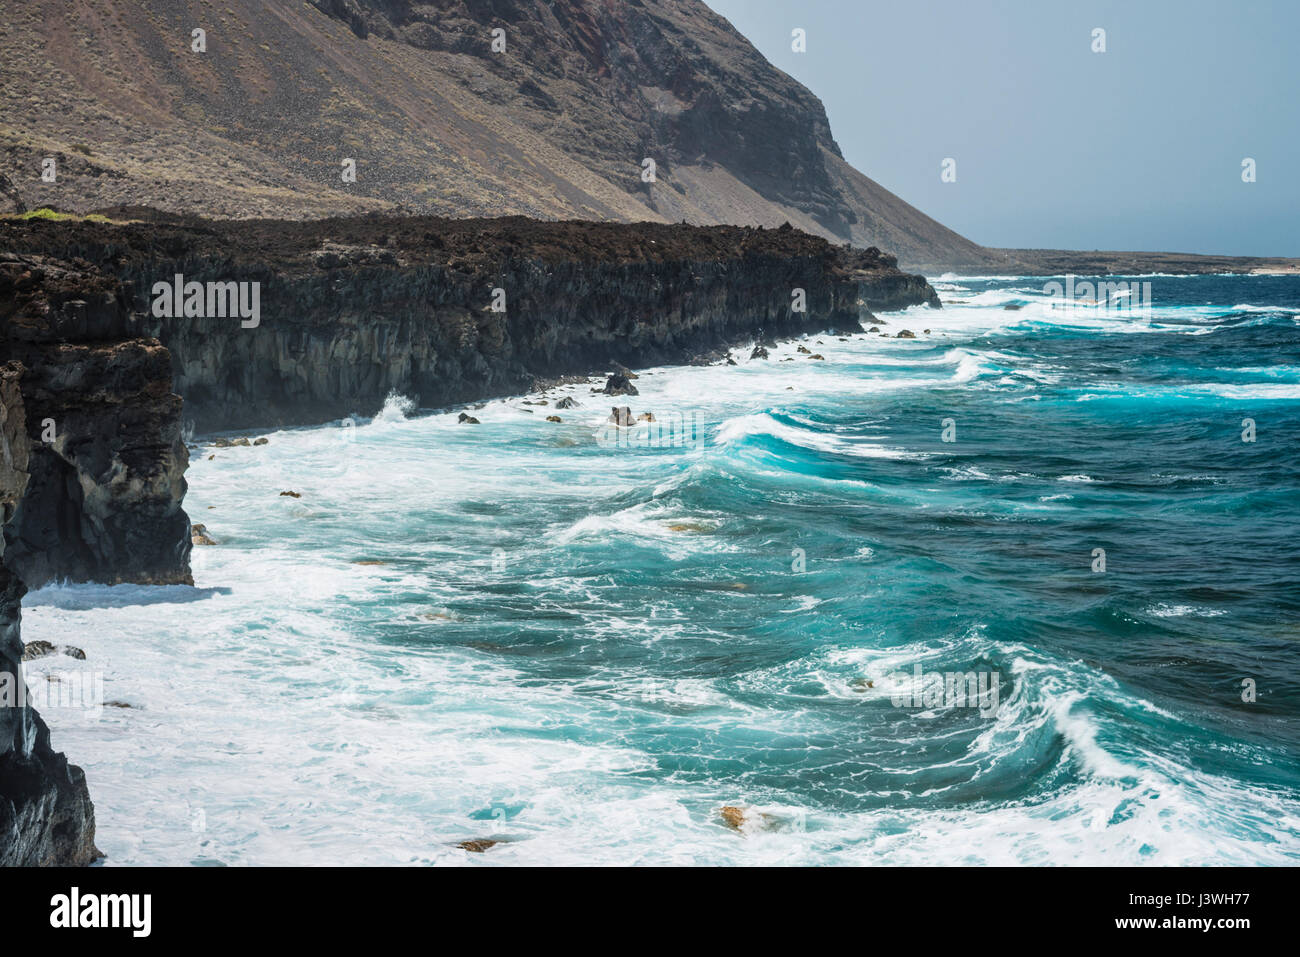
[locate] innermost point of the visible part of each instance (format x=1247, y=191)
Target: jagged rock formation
x=107, y=461
x=354, y=309
x=556, y=125
x=91, y=482
x=46, y=817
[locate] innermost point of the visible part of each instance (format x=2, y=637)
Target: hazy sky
x=1139, y=147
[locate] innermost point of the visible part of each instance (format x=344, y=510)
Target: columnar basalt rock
x=355, y=309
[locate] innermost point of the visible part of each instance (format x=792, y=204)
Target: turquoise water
x=585, y=649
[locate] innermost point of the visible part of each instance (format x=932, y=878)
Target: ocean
x=1021, y=590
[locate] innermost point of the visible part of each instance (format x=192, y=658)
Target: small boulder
x=291, y=494
x=621, y=416
x=554, y=418
x=242, y=442
x=37, y=649
x=199, y=534
x=465, y=419
x=817, y=355
x=875, y=329
x=477, y=846
x=618, y=384
x=568, y=402
x=262, y=441
x=760, y=352
x=733, y=816
x=906, y=334
x=646, y=417
x=804, y=350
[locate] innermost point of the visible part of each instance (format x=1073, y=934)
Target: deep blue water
x=586, y=651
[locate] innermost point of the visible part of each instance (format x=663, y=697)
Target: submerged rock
x=290, y=494
x=477, y=845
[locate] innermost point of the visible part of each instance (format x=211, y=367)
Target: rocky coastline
x=445, y=311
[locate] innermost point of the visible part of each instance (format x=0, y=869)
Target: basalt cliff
x=452, y=311
x=91, y=482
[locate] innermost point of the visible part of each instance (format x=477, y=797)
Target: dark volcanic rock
x=617, y=384
x=106, y=457
x=46, y=817
x=578, y=295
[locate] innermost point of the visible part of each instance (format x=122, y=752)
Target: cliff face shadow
x=76, y=596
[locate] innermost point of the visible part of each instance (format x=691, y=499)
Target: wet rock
x=553, y=418
x=733, y=816
x=817, y=355
x=618, y=384
x=621, y=416
x=646, y=417
x=262, y=441
x=37, y=649
x=623, y=370
x=290, y=494
x=222, y=443
x=926, y=331
x=760, y=352
x=199, y=534
x=568, y=402
x=804, y=350
x=906, y=334
x=875, y=329
x=1013, y=306
x=477, y=845
x=241, y=442
x=466, y=419
x=73, y=652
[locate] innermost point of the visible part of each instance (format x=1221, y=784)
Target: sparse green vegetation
x=46, y=213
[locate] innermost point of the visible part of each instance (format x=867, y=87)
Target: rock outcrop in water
x=452, y=311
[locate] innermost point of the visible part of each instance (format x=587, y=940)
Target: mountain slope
x=555, y=126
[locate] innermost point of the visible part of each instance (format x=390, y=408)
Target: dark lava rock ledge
x=353, y=309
